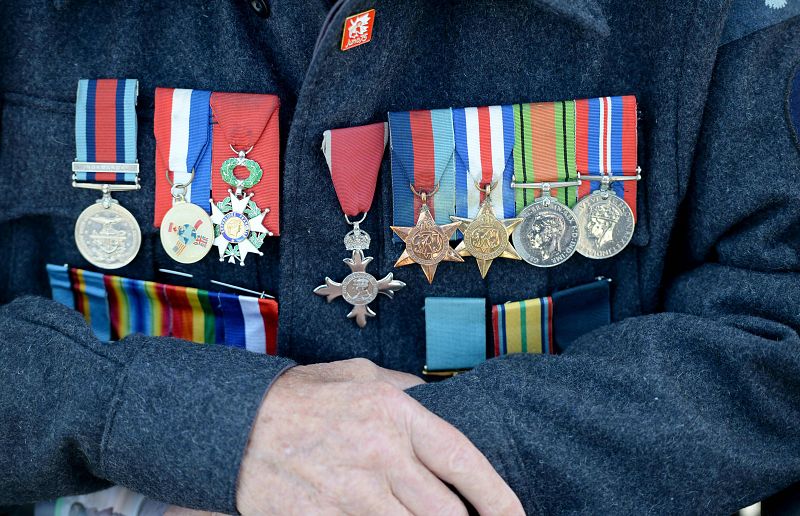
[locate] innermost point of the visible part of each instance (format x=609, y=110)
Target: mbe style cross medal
x=354, y=157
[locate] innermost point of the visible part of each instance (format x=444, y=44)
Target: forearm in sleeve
x=164, y=417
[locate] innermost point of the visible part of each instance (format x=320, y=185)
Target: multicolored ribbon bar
x=548, y=325
x=606, y=143
x=455, y=333
x=248, y=121
x=105, y=131
x=484, y=139
x=116, y=307
x=422, y=148
x=183, y=131
x=544, y=149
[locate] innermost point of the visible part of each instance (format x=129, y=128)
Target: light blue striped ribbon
x=61, y=285
x=126, y=123
x=98, y=305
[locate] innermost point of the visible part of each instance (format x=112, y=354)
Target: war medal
x=486, y=236
x=238, y=221
x=106, y=234
x=607, y=160
x=354, y=181
x=182, y=127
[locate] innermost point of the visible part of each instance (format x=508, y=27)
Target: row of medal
x=202, y=137
x=504, y=179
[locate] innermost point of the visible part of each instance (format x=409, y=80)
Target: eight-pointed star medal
x=239, y=225
x=486, y=237
x=427, y=243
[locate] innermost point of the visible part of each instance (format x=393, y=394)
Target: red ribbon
x=354, y=156
x=247, y=120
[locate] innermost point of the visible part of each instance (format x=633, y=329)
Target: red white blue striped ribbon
x=484, y=140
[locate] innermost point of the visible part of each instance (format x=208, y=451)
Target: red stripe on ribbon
x=105, y=121
x=247, y=120
x=629, y=149
x=424, y=157
x=181, y=313
x=485, y=139
x=162, y=129
x=582, y=144
x=495, y=326
x=269, y=313
x=356, y=154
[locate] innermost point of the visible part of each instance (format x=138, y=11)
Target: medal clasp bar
x=612, y=179
x=80, y=168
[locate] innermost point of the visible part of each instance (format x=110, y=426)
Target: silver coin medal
x=548, y=234
x=359, y=288
x=187, y=232
x=605, y=221
x=238, y=221
x=106, y=234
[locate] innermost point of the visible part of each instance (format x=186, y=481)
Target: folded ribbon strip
x=116, y=307
x=183, y=132
x=246, y=120
x=484, y=144
x=422, y=148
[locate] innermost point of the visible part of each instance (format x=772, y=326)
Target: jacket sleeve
x=695, y=409
x=164, y=417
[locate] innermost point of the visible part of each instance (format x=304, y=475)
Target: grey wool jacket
x=689, y=402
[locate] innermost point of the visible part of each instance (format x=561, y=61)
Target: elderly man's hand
x=344, y=438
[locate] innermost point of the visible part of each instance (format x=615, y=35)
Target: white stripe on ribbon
x=498, y=157
x=179, y=137
x=475, y=169
x=255, y=336
x=607, y=168
x=601, y=135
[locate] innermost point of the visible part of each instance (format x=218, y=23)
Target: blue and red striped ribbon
x=422, y=155
x=105, y=127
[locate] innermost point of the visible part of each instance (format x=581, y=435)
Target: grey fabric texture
x=687, y=403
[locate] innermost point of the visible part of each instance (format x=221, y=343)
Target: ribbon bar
x=105, y=134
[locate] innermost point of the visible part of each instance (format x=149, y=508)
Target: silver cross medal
x=359, y=288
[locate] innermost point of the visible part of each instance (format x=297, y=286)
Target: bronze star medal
x=427, y=243
x=486, y=237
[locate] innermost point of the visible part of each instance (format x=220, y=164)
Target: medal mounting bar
x=96, y=176
x=610, y=179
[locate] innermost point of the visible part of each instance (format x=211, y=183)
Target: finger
x=454, y=459
x=422, y=493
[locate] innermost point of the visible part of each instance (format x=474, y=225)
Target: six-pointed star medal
x=359, y=288
x=486, y=237
x=427, y=244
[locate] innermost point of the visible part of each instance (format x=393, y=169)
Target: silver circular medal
x=548, y=233
x=108, y=236
x=187, y=232
x=605, y=224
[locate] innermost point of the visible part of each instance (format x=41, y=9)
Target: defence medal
x=238, y=221
x=486, y=236
x=182, y=126
x=606, y=147
x=106, y=234
x=548, y=233
x=354, y=181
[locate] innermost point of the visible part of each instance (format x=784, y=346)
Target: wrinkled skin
x=343, y=438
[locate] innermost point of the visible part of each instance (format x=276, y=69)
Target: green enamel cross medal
x=238, y=221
